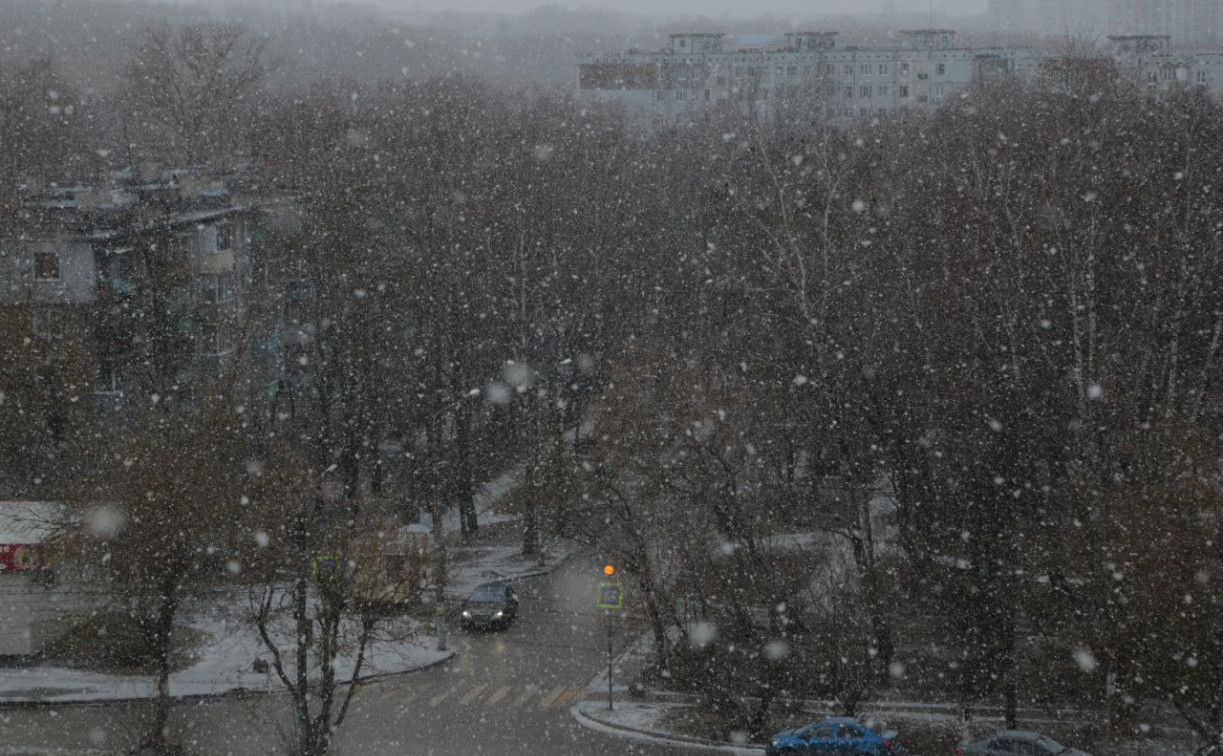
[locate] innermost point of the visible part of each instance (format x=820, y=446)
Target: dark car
x=1017, y=743
x=840, y=736
x=1214, y=749
x=493, y=605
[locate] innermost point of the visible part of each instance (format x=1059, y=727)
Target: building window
x=883, y=68
x=904, y=91
x=108, y=379
x=42, y=320
x=883, y=91
x=941, y=69
x=864, y=92
x=1203, y=77
x=866, y=68
x=225, y=237
x=216, y=289
x=792, y=71
x=46, y=266
x=848, y=70
x=849, y=93
x=706, y=95
x=214, y=340
x=681, y=95
x=904, y=69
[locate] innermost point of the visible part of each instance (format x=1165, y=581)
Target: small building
x=36, y=608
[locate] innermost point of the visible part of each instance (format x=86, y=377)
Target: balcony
x=215, y=263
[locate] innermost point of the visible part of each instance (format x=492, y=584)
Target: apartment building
x=1152, y=60
x=808, y=77
x=135, y=288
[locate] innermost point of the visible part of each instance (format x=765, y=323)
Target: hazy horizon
x=702, y=7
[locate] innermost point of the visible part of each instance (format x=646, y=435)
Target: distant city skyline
x=704, y=7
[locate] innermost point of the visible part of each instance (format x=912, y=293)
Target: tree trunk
x=163, y=636
x=530, y=518
x=530, y=531
x=1009, y=671
x=464, y=488
x=301, y=621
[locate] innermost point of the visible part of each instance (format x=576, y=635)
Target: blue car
x=840, y=737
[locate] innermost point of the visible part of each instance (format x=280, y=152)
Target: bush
x=113, y=643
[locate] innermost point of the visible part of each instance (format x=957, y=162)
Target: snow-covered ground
x=486, y=499
x=224, y=663
x=476, y=565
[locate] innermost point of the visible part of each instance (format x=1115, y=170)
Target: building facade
x=1152, y=60
x=136, y=289
x=808, y=77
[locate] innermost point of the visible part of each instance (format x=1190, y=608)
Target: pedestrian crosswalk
x=472, y=692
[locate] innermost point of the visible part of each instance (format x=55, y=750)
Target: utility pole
x=610, y=707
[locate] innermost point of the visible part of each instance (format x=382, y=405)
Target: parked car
x=840, y=736
x=1214, y=749
x=494, y=605
x=1017, y=743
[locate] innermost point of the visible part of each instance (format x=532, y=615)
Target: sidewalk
x=645, y=722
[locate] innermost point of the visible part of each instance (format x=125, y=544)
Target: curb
x=234, y=694
x=658, y=736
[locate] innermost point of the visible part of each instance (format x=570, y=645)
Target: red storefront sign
x=18, y=557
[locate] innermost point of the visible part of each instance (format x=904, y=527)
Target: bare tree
x=195, y=83
x=160, y=483
x=340, y=595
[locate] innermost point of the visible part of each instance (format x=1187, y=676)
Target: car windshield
x=488, y=594
x=793, y=361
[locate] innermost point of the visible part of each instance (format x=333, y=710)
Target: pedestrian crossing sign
x=611, y=596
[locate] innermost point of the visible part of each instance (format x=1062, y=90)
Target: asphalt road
x=507, y=693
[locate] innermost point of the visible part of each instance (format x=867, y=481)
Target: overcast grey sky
x=705, y=7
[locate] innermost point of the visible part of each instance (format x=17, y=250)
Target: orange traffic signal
x=609, y=569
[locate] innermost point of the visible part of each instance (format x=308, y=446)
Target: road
x=507, y=693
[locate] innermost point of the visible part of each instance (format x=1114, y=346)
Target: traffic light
x=609, y=569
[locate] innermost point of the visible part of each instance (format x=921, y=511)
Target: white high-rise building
x=807, y=76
